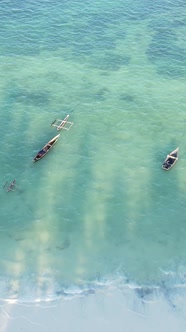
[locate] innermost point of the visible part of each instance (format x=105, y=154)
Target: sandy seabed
x=113, y=310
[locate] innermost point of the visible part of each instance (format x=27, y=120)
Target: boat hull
x=47, y=147
x=170, y=160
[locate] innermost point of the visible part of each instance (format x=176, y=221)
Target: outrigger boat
x=170, y=160
x=11, y=186
x=61, y=124
x=46, y=148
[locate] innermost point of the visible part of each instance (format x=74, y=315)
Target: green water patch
x=99, y=201
x=23, y=96
x=110, y=61
x=127, y=97
x=166, y=49
x=169, y=57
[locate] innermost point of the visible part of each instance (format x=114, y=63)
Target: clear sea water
x=98, y=208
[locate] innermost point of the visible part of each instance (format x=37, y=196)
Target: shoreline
x=105, y=310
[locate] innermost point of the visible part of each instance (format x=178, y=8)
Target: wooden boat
x=46, y=148
x=61, y=124
x=170, y=160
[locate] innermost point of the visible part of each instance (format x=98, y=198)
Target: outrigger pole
x=61, y=124
x=11, y=186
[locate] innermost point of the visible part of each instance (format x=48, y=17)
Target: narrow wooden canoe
x=170, y=160
x=46, y=148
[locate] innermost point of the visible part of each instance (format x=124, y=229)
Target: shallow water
x=98, y=207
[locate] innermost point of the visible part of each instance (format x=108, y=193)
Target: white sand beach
x=114, y=311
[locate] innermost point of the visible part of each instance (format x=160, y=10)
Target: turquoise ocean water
x=98, y=208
